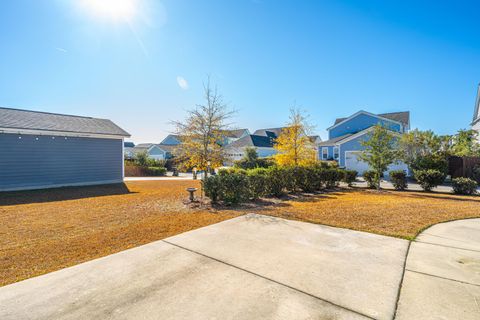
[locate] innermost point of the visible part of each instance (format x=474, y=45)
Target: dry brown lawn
x=43, y=231
x=391, y=213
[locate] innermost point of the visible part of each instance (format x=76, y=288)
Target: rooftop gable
x=269, y=132
x=402, y=117
x=253, y=140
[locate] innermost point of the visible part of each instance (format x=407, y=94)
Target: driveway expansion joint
x=269, y=279
x=445, y=246
x=401, y=280
x=443, y=278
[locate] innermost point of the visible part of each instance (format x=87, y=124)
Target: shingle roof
x=334, y=140
x=314, y=138
x=264, y=132
x=142, y=147
x=145, y=146
x=35, y=120
x=253, y=140
x=236, y=133
x=403, y=117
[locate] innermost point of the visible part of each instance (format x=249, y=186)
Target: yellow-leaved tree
x=202, y=131
x=294, y=146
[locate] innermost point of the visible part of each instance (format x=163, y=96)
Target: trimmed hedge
x=464, y=186
x=156, y=171
x=398, y=179
x=429, y=179
x=233, y=186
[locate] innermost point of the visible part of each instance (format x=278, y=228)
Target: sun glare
x=114, y=9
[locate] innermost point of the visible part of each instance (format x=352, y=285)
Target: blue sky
x=332, y=58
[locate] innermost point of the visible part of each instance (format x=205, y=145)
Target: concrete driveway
x=250, y=267
x=442, y=276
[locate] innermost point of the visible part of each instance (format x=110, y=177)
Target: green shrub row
x=234, y=186
x=156, y=171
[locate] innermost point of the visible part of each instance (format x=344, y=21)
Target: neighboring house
x=233, y=135
x=270, y=132
x=228, y=137
x=315, y=139
x=154, y=151
x=45, y=150
x=476, y=114
x=172, y=140
x=263, y=144
x=128, y=150
x=346, y=135
x=262, y=140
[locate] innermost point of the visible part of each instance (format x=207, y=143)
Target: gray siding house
x=44, y=150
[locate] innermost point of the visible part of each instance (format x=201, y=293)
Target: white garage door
x=352, y=162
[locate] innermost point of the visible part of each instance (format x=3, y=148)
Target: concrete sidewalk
x=250, y=267
x=442, y=276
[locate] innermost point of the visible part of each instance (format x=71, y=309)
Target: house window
x=324, y=153
x=335, y=153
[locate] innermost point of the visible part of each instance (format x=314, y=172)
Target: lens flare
x=113, y=9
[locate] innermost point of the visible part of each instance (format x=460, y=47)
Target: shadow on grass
x=444, y=196
x=61, y=194
x=434, y=194
x=267, y=204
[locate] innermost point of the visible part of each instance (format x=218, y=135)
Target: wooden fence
x=462, y=166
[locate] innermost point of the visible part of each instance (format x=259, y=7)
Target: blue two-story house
x=346, y=134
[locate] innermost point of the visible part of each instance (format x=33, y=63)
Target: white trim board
x=59, y=133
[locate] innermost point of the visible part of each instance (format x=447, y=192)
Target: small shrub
x=276, y=181
x=398, y=179
x=369, y=177
x=234, y=188
x=429, y=179
x=464, y=186
x=226, y=171
x=349, y=176
x=332, y=177
x=212, y=186
x=307, y=178
x=257, y=182
x=156, y=171
x=141, y=159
